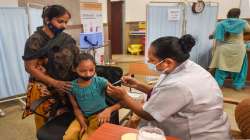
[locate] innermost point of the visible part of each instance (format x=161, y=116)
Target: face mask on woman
x=152, y=66
x=54, y=29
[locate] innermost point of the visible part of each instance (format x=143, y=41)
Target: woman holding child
x=48, y=58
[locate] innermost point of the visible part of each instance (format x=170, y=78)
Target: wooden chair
x=143, y=70
x=242, y=117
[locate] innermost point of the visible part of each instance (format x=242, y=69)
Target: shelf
x=134, y=33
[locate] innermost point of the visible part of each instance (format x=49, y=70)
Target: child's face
x=86, y=68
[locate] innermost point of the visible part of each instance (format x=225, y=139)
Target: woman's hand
x=116, y=92
x=62, y=86
x=104, y=116
x=129, y=81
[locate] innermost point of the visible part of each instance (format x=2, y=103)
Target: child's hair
x=82, y=57
x=54, y=11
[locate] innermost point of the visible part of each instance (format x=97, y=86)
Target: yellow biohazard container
x=135, y=49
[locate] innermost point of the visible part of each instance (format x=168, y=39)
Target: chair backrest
x=242, y=117
x=140, y=69
x=111, y=73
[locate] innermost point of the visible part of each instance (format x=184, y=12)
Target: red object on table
x=114, y=132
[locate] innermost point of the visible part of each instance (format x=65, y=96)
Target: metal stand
x=93, y=49
x=20, y=99
x=2, y=113
x=126, y=117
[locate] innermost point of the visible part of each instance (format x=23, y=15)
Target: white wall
x=104, y=8
x=245, y=8
x=136, y=9
x=104, y=11
x=8, y=3
x=226, y=5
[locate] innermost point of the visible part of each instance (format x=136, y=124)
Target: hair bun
x=187, y=42
x=45, y=9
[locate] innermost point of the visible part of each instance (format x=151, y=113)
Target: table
x=114, y=132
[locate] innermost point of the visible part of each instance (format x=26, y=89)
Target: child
x=88, y=100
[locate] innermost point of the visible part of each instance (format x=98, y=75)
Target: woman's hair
x=83, y=57
x=233, y=13
x=53, y=11
x=173, y=47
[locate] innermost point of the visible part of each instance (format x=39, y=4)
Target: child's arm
x=114, y=107
x=105, y=115
x=78, y=113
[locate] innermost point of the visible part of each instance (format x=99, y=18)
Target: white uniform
x=188, y=104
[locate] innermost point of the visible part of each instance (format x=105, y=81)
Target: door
x=115, y=22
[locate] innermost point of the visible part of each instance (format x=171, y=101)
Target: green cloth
x=91, y=98
x=228, y=55
x=230, y=25
x=239, y=79
x=248, y=45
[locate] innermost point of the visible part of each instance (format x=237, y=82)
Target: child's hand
x=104, y=116
x=83, y=128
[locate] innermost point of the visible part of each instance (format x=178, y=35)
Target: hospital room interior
x=124, y=69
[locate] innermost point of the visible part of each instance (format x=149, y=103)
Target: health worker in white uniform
x=186, y=102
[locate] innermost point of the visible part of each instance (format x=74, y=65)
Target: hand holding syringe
x=124, y=79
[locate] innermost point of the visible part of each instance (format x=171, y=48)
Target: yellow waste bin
x=135, y=49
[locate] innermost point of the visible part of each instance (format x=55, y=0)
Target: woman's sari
x=59, y=54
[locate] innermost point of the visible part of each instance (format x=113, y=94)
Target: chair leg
x=2, y=113
x=126, y=117
x=133, y=122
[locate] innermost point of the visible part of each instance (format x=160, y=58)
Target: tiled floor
x=12, y=127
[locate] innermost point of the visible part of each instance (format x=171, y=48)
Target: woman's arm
x=145, y=88
x=121, y=94
x=137, y=108
x=31, y=66
x=133, y=83
x=78, y=113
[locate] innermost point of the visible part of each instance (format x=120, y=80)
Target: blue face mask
x=153, y=67
x=55, y=30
